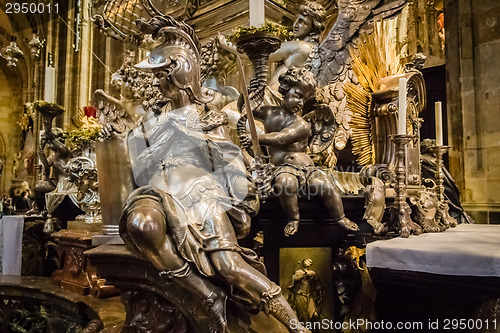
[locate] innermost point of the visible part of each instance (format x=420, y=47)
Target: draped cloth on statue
x=197, y=178
x=64, y=188
x=466, y=250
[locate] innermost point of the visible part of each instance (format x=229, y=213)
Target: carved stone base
x=77, y=274
x=156, y=306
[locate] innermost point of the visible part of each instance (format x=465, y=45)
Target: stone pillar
x=473, y=72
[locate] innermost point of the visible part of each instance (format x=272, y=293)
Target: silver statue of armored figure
x=194, y=199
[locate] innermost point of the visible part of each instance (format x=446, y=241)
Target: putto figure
x=195, y=199
x=287, y=135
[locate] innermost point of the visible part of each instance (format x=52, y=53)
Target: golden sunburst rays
x=374, y=56
x=359, y=103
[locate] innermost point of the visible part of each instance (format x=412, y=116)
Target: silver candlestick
x=400, y=210
x=442, y=215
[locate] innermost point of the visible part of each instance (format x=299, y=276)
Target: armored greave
x=212, y=297
x=274, y=304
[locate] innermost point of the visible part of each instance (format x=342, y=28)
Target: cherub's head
x=297, y=86
x=310, y=22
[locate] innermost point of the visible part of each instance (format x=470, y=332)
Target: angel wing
x=330, y=62
x=323, y=129
x=110, y=112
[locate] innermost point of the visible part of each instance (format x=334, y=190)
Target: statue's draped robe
x=200, y=168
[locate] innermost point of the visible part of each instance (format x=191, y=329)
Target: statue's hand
x=49, y=136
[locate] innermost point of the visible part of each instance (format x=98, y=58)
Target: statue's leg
x=42, y=187
x=257, y=287
x=147, y=230
x=286, y=186
x=319, y=184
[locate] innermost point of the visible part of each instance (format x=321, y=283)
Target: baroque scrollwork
x=83, y=172
x=147, y=312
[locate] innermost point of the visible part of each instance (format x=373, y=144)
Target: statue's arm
x=230, y=47
x=286, y=136
x=60, y=147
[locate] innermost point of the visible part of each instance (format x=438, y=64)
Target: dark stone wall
x=473, y=72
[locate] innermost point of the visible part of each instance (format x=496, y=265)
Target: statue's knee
x=286, y=184
x=146, y=223
x=322, y=186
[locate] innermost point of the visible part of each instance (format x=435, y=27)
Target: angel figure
x=307, y=28
x=287, y=136
x=138, y=98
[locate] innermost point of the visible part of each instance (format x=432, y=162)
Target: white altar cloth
x=466, y=250
x=11, y=244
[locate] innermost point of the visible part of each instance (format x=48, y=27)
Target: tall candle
x=50, y=85
x=402, y=106
x=439, y=123
x=257, y=12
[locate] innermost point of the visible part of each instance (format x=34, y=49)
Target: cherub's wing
x=110, y=113
x=331, y=61
x=323, y=129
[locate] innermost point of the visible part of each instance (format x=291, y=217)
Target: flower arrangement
x=267, y=28
x=85, y=135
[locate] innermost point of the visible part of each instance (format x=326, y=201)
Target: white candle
x=402, y=106
x=439, y=123
x=257, y=12
x=50, y=84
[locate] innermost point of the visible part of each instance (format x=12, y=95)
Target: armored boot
x=212, y=298
x=274, y=304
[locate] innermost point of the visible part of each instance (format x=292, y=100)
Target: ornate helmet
x=176, y=52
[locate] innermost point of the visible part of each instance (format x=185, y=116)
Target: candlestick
x=442, y=215
x=400, y=211
x=256, y=12
x=402, y=107
x=439, y=123
x=50, y=82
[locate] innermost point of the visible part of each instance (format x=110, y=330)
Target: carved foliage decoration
x=146, y=312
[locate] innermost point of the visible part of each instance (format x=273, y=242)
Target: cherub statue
x=195, y=199
x=55, y=174
x=306, y=293
x=287, y=136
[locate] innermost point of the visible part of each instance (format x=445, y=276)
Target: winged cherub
x=287, y=135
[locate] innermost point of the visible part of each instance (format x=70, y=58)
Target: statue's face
x=302, y=27
x=294, y=99
x=164, y=80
